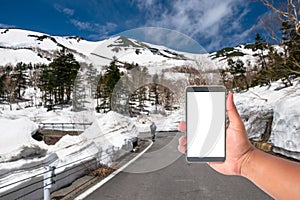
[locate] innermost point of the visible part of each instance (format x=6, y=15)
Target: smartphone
x=205, y=121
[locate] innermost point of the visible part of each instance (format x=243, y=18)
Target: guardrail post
x=48, y=180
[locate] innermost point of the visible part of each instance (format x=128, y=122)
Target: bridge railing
x=64, y=126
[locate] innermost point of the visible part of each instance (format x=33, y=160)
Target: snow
x=286, y=129
x=21, y=45
x=18, y=131
x=10, y=56
x=110, y=134
x=107, y=135
x=257, y=105
x=163, y=122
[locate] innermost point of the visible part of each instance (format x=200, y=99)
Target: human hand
x=238, y=146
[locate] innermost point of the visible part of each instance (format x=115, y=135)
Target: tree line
x=54, y=81
x=53, y=85
x=274, y=62
x=115, y=91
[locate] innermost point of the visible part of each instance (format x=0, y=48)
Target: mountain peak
x=122, y=41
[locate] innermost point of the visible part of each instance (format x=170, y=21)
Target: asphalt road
x=162, y=173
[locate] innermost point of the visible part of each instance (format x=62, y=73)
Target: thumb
x=233, y=115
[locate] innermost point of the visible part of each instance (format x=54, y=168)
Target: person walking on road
x=153, y=129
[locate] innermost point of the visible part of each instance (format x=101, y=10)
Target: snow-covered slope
x=18, y=45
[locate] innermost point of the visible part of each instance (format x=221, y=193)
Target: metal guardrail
x=64, y=126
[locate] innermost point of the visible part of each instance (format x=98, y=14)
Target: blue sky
x=214, y=24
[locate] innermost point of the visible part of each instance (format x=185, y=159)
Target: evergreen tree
x=57, y=79
x=112, y=75
x=47, y=85
x=65, y=69
x=235, y=75
x=154, y=92
x=291, y=45
x=107, y=84
x=21, y=78
x=282, y=65
x=168, y=100
x=2, y=81
x=260, y=45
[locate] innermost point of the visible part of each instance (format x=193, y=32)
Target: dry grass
x=102, y=171
x=267, y=147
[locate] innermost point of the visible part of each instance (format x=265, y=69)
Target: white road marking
x=98, y=185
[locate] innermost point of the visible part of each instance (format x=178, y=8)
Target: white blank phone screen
x=206, y=124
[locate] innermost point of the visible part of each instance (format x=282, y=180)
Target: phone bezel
x=206, y=88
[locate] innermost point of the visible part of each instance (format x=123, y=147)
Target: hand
x=238, y=146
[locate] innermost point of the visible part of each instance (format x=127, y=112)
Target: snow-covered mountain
x=18, y=45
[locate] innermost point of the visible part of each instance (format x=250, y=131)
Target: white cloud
x=98, y=29
x=66, y=11
x=210, y=20
x=81, y=25
x=6, y=26
x=143, y=3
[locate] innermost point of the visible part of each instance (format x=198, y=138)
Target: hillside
x=18, y=45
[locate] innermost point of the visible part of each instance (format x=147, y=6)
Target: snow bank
x=286, y=129
x=16, y=141
x=107, y=139
x=259, y=105
x=109, y=133
x=163, y=123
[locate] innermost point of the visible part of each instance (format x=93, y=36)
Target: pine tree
x=21, y=78
x=57, y=79
x=47, y=86
x=155, y=90
x=3, y=77
x=168, y=100
x=110, y=79
x=65, y=69
x=291, y=45
x=238, y=70
x=282, y=65
x=260, y=45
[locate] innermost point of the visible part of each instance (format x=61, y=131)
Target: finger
x=233, y=115
x=181, y=149
x=182, y=141
x=214, y=163
x=182, y=126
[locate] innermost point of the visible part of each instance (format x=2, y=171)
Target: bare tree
x=270, y=23
x=9, y=87
x=288, y=11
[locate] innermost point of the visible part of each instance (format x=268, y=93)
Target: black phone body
x=206, y=123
